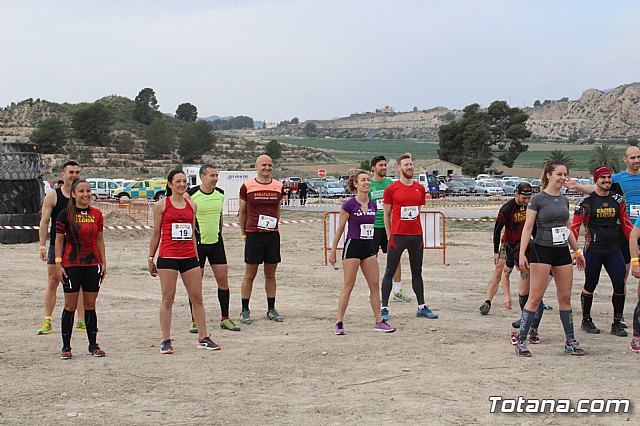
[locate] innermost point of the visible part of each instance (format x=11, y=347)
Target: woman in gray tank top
x=549, y=212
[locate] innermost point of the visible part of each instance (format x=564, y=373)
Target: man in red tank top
x=260, y=200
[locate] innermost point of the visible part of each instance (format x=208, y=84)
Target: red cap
x=601, y=171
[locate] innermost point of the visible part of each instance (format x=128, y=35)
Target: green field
x=356, y=150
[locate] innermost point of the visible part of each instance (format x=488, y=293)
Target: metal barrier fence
x=140, y=210
x=434, y=232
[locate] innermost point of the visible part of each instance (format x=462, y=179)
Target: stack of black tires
x=21, y=191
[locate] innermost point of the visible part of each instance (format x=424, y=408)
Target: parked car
x=430, y=183
x=333, y=189
x=469, y=183
x=455, y=187
x=509, y=187
x=535, y=185
x=483, y=176
x=102, y=188
x=47, y=187
x=488, y=188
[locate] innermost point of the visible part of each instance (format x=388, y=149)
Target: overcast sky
x=278, y=59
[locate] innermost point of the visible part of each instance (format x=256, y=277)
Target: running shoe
x=401, y=296
x=165, y=347
x=589, y=327
x=516, y=324
x=81, y=326
x=635, y=344
x=426, y=313
x=548, y=307
x=194, y=328
x=485, y=308
x=384, y=327
x=624, y=324
x=618, y=330
x=228, y=324
x=573, y=348
x=385, y=314
x=96, y=351
x=514, y=337
x=339, y=329
x=45, y=328
x=273, y=315
x=521, y=349
x=534, y=337
x=207, y=343
x=66, y=353
x=244, y=316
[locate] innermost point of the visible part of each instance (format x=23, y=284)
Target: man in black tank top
x=54, y=202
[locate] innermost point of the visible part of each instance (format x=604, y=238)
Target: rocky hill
x=604, y=116
x=231, y=152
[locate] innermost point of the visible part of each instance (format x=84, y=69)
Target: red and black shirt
x=81, y=248
x=511, y=217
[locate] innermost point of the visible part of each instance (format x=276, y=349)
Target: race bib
x=380, y=204
x=181, y=231
x=366, y=231
x=560, y=235
x=634, y=211
x=267, y=223
x=409, y=212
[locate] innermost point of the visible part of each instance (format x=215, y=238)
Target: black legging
x=303, y=198
x=397, y=245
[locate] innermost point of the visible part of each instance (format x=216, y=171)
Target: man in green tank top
x=210, y=201
x=379, y=183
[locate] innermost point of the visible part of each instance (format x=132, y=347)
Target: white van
x=101, y=188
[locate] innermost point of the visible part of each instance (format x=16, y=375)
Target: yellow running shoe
x=45, y=328
x=80, y=326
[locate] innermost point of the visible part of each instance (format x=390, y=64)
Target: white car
x=483, y=176
x=488, y=188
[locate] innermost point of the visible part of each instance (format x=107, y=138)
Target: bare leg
x=192, y=280
x=168, y=279
x=350, y=269
x=371, y=273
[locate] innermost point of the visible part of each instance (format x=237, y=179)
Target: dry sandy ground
x=298, y=372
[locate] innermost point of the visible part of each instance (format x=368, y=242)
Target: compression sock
x=522, y=300
x=538, y=316
x=618, y=306
x=271, y=303
x=567, y=323
x=91, y=322
x=586, y=300
x=67, y=328
x=488, y=302
x=223, y=298
x=245, y=304
x=525, y=324
x=636, y=320
x=397, y=286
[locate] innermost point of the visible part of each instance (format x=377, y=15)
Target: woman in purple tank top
x=358, y=251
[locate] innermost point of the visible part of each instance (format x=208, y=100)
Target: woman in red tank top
x=173, y=226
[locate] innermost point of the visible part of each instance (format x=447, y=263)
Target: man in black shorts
x=210, y=200
x=260, y=200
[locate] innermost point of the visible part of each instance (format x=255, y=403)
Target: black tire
x=18, y=147
x=124, y=196
x=20, y=165
x=21, y=196
x=19, y=236
x=159, y=195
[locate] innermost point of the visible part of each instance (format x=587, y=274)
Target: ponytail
x=548, y=167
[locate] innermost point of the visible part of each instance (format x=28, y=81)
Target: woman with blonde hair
x=358, y=252
x=548, y=211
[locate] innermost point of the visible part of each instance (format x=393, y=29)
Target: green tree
x=187, y=112
x=604, y=156
x=537, y=103
x=273, y=149
x=50, y=135
x=310, y=129
x=365, y=165
x=479, y=135
x=632, y=141
x=415, y=109
x=295, y=120
x=160, y=138
x=196, y=139
x=146, y=108
x=92, y=124
x=560, y=155
x=124, y=143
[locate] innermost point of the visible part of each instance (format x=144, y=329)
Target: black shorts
x=214, y=252
x=358, y=249
x=262, y=247
x=554, y=256
x=380, y=240
x=512, y=253
x=86, y=278
x=623, y=243
x=181, y=265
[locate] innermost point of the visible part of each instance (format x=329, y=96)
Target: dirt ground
x=298, y=372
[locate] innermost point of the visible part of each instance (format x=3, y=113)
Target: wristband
x=58, y=260
x=578, y=253
x=634, y=259
x=150, y=258
x=244, y=237
x=636, y=263
x=41, y=248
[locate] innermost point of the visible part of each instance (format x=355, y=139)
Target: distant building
x=439, y=167
x=386, y=110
